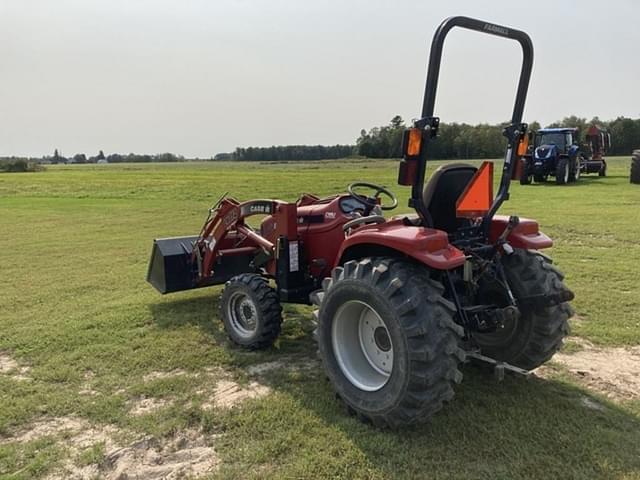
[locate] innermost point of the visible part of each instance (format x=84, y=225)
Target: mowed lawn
x=75, y=310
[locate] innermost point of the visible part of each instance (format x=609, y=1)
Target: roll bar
x=430, y=123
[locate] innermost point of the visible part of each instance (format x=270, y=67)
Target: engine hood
x=546, y=151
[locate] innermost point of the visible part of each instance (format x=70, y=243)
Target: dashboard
x=350, y=205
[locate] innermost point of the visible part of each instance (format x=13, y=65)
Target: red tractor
x=401, y=302
x=599, y=141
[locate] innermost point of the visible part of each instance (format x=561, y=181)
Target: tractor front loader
x=400, y=302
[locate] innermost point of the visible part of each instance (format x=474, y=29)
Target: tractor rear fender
x=393, y=238
x=525, y=235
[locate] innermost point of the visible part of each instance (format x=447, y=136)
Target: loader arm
x=229, y=216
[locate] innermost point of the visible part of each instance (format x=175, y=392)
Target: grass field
x=88, y=335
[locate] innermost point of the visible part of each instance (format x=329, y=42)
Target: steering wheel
x=371, y=202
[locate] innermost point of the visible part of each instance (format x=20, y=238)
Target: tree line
x=112, y=158
x=454, y=141
x=463, y=141
x=288, y=152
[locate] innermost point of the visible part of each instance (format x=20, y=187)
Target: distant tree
x=625, y=135
x=382, y=142
x=397, y=122
x=80, y=158
x=100, y=155
x=223, y=156
x=453, y=141
x=570, y=122
x=19, y=165
x=290, y=152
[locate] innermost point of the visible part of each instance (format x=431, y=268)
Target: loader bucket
x=170, y=266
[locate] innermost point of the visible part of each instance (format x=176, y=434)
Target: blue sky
x=199, y=77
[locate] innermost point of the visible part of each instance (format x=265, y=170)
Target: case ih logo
x=258, y=207
x=489, y=27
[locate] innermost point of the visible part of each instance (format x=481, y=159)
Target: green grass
x=74, y=245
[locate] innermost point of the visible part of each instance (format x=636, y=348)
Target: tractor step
x=498, y=367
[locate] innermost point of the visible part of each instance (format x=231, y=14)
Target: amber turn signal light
x=414, y=142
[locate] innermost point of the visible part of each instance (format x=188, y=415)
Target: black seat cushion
x=442, y=192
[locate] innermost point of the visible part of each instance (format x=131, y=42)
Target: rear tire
x=537, y=335
x=562, y=171
x=576, y=170
x=412, y=321
x=635, y=167
x=525, y=179
x=603, y=170
x=251, y=311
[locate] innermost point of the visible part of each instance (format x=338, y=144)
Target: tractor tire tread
x=561, y=166
x=432, y=336
x=267, y=301
x=538, y=276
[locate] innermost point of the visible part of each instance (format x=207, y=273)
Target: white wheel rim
x=566, y=172
x=242, y=314
x=362, y=346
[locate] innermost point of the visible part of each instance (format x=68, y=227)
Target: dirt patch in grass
x=97, y=452
x=591, y=404
x=8, y=366
x=85, y=388
x=614, y=372
x=289, y=364
x=75, y=429
x=149, y=377
x=186, y=455
x=146, y=405
x=228, y=393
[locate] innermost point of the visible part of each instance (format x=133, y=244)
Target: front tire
x=540, y=178
x=388, y=341
x=534, y=337
x=562, y=171
x=251, y=311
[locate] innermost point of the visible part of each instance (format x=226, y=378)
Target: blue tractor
x=555, y=152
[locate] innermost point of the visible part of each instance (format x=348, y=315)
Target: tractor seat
x=442, y=192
